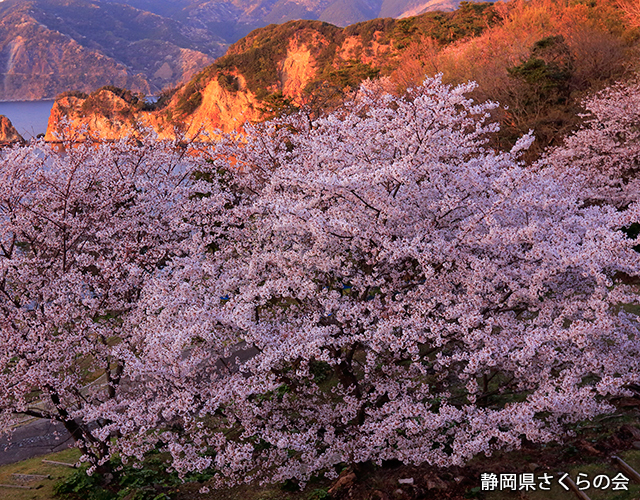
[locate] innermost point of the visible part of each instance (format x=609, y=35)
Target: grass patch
x=41, y=489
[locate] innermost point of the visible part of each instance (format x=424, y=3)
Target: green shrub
x=228, y=82
x=151, y=482
x=189, y=101
x=319, y=494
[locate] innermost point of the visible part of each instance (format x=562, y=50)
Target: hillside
x=538, y=59
x=279, y=67
x=49, y=46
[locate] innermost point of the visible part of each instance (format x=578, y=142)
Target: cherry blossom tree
x=380, y=286
x=602, y=159
x=82, y=230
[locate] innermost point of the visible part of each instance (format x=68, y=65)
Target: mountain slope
x=346, y=12
x=406, y=8
x=49, y=46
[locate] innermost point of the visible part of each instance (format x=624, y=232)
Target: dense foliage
x=375, y=284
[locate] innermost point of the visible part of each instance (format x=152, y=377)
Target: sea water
x=28, y=117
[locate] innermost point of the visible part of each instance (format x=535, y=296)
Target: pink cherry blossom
x=381, y=286
x=375, y=284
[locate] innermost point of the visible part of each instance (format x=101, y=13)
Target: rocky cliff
x=273, y=67
x=8, y=133
x=51, y=46
x=270, y=71
x=106, y=113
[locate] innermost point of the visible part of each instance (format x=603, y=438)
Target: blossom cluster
x=374, y=284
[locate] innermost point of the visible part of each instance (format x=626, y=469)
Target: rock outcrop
x=8, y=133
x=109, y=113
x=233, y=90
x=106, y=116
